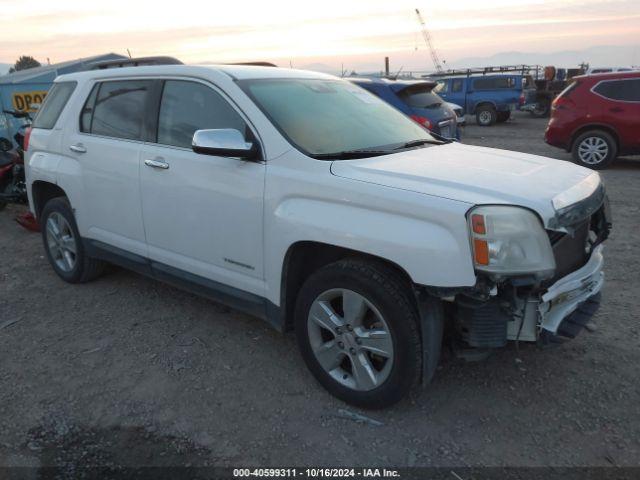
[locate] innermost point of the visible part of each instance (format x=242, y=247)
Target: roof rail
x=255, y=64
x=135, y=62
x=524, y=69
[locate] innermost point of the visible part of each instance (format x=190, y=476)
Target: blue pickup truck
x=491, y=98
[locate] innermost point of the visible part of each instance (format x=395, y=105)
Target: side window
x=189, y=106
x=54, y=103
x=441, y=87
x=87, y=111
x=494, y=83
x=116, y=109
x=456, y=85
x=624, y=90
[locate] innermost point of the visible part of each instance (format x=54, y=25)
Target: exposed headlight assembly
x=510, y=241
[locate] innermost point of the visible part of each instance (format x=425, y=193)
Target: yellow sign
x=22, y=101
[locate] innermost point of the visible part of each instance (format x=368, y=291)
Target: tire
x=542, y=108
x=486, y=115
x=594, y=149
x=64, y=250
x=4, y=188
x=503, y=116
x=381, y=302
x=5, y=145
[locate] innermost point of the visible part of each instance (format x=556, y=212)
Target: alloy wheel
x=593, y=150
x=350, y=339
x=61, y=242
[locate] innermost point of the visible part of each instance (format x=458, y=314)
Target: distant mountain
x=599, y=56
x=4, y=68
x=317, y=67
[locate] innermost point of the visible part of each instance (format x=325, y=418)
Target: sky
x=354, y=34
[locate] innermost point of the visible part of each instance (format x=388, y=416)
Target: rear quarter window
x=53, y=105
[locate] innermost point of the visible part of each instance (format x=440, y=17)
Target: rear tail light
x=564, y=97
x=422, y=121
x=27, y=137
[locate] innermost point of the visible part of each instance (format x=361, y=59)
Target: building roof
x=47, y=73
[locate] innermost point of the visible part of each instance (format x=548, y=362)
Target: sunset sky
x=332, y=32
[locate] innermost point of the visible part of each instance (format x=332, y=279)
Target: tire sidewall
x=611, y=144
x=61, y=206
x=493, y=116
x=403, y=371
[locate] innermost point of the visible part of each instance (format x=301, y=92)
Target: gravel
x=129, y=371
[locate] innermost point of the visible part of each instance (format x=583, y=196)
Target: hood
x=477, y=175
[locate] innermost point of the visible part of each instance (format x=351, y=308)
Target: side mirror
x=224, y=142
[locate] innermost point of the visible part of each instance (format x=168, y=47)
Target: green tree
x=24, y=62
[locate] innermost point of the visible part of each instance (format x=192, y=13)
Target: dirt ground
x=129, y=371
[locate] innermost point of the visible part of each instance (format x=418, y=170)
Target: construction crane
x=427, y=40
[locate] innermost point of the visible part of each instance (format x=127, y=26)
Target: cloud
x=251, y=30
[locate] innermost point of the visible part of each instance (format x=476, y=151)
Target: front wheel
x=357, y=328
x=594, y=149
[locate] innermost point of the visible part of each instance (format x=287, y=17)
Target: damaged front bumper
x=570, y=292
x=563, y=308
x=531, y=314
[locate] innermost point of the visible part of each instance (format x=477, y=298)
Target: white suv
x=303, y=199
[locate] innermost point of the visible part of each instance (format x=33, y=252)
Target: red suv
x=596, y=118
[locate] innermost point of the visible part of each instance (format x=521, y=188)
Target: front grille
x=570, y=250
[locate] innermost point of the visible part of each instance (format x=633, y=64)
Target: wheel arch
x=303, y=258
x=43, y=191
x=482, y=103
x=594, y=126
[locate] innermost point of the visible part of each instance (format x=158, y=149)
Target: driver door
x=202, y=213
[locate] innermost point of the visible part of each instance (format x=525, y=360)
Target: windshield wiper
x=433, y=105
x=350, y=154
x=418, y=143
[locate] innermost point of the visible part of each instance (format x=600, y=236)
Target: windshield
x=325, y=118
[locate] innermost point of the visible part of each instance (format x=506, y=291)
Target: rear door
x=106, y=141
x=202, y=213
x=621, y=109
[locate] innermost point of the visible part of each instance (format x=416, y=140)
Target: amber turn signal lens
x=477, y=224
x=481, y=251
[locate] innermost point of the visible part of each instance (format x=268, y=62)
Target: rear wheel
x=486, y=115
x=542, y=108
x=503, y=116
x=594, y=149
x=63, y=245
x=357, y=329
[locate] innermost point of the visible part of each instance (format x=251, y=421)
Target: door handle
x=78, y=148
x=616, y=110
x=156, y=163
